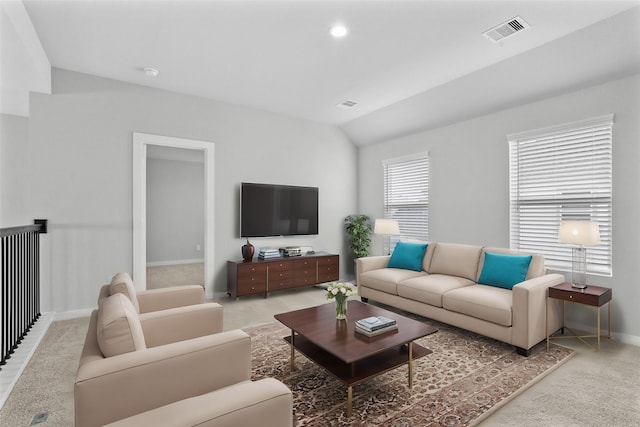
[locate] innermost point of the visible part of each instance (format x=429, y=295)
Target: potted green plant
x=358, y=228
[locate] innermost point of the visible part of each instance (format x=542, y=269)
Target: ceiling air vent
x=347, y=103
x=506, y=29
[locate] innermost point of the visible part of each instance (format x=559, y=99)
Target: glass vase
x=341, y=308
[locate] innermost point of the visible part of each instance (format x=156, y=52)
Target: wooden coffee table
x=350, y=356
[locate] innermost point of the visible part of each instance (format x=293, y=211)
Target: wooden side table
x=595, y=296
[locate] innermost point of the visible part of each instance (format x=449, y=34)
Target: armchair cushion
x=171, y=297
x=266, y=402
x=181, y=323
x=122, y=283
x=118, y=329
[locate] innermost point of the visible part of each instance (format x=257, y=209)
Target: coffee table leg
x=411, y=364
x=293, y=352
x=349, y=398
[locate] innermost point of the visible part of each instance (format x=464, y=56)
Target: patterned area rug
x=466, y=377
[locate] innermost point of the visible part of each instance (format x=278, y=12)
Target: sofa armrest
x=118, y=387
x=181, y=323
x=370, y=263
x=530, y=310
x=176, y=296
x=267, y=403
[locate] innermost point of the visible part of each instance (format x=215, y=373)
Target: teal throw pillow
x=408, y=256
x=504, y=270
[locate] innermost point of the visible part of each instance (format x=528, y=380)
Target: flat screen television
x=277, y=210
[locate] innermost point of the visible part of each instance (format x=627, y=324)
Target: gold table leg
x=293, y=352
x=598, y=329
x=546, y=324
x=349, y=400
x=411, y=364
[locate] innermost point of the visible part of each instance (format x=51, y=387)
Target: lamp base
x=579, y=285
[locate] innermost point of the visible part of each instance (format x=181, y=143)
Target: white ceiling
x=410, y=65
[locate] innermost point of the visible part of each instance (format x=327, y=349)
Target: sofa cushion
x=408, y=256
x=387, y=279
x=536, y=267
x=122, y=283
x=118, y=326
x=456, y=260
x=429, y=289
x=482, y=302
x=504, y=270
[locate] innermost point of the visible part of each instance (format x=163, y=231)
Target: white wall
x=175, y=211
x=80, y=175
x=14, y=134
x=469, y=183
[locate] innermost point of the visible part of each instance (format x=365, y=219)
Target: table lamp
x=579, y=233
x=386, y=227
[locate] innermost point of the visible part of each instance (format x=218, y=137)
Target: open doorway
x=165, y=169
x=175, y=216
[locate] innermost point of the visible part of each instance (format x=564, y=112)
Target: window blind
x=562, y=173
x=406, y=195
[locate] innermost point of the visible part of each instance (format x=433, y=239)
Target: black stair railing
x=20, y=293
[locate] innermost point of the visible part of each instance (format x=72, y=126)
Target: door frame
x=140, y=143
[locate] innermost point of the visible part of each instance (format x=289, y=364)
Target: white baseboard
x=622, y=337
x=176, y=262
x=74, y=314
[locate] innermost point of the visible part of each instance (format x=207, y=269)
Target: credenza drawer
x=249, y=287
x=280, y=274
x=328, y=261
x=281, y=284
x=252, y=270
x=304, y=264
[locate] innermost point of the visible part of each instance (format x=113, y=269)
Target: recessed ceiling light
x=151, y=72
x=339, y=30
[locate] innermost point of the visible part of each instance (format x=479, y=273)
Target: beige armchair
x=171, y=368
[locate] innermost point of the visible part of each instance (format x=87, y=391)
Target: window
x=562, y=173
x=406, y=195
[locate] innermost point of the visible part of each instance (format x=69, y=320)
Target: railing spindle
x=20, y=293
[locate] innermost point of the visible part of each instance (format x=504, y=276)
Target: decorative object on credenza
x=268, y=253
x=579, y=233
x=386, y=227
x=358, y=229
x=340, y=292
x=247, y=251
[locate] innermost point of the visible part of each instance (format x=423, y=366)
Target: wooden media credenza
x=274, y=274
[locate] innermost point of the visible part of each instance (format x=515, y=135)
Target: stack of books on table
x=372, y=326
x=266, y=253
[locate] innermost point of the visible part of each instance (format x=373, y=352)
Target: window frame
x=563, y=172
x=399, y=176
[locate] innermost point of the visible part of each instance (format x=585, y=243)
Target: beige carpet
x=164, y=276
x=45, y=387
x=592, y=389
x=462, y=381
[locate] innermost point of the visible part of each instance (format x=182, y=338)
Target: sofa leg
x=363, y=299
x=523, y=351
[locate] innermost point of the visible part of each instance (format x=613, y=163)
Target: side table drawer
x=596, y=300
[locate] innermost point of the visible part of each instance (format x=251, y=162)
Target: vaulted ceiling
x=409, y=65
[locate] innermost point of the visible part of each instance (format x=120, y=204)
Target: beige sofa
x=170, y=367
x=446, y=289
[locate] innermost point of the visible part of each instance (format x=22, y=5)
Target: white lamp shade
x=579, y=232
x=386, y=226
